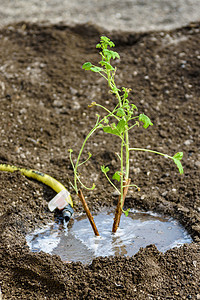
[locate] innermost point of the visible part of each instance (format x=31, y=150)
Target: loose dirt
x=44, y=97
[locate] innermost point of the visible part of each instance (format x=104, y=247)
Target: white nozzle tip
x=59, y=201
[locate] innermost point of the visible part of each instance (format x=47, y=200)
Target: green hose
x=39, y=176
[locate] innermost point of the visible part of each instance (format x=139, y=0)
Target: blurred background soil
x=135, y=15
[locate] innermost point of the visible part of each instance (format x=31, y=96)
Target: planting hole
x=78, y=243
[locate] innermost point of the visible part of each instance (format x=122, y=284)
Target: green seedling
x=118, y=121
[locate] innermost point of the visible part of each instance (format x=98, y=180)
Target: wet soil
x=44, y=97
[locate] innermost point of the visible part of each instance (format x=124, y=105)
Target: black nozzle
x=67, y=212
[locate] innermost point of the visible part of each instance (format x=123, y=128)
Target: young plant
x=118, y=121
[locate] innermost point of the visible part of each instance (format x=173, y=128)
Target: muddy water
x=78, y=243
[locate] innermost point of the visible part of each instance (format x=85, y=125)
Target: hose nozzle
x=67, y=212
x=61, y=201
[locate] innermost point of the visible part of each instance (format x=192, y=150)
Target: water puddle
x=78, y=243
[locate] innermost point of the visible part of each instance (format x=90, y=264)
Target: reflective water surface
x=78, y=243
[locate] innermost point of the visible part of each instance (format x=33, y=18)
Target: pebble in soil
x=78, y=243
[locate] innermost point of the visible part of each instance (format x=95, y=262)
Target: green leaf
x=87, y=66
x=176, y=158
x=178, y=155
x=146, y=120
x=109, y=129
x=107, y=54
x=110, y=54
x=126, y=105
x=121, y=126
x=106, y=41
x=107, y=65
x=113, y=126
x=117, y=176
x=92, y=104
x=104, y=169
x=179, y=165
x=115, y=89
x=125, y=90
x=106, y=121
x=89, y=154
x=96, y=69
x=93, y=186
x=120, y=112
x=116, y=130
x=126, y=212
x=134, y=107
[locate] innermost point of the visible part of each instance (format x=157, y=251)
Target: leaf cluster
x=177, y=160
x=125, y=111
x=106, y=56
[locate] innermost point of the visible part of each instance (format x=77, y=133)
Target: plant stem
x=122, y=169
x=111, y=183
x=119, y=98
x=127, y=155
x=120, y=205
x=111, y=113
x=89, y=215
x=79, y=156
x=152, y=151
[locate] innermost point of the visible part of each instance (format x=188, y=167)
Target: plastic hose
x=39, y=176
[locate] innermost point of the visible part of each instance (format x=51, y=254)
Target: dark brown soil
x=44, y=95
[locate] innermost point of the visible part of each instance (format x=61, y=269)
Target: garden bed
x=44, y=97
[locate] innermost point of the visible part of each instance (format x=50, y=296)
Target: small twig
x=86, y=208
x=118, y=211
